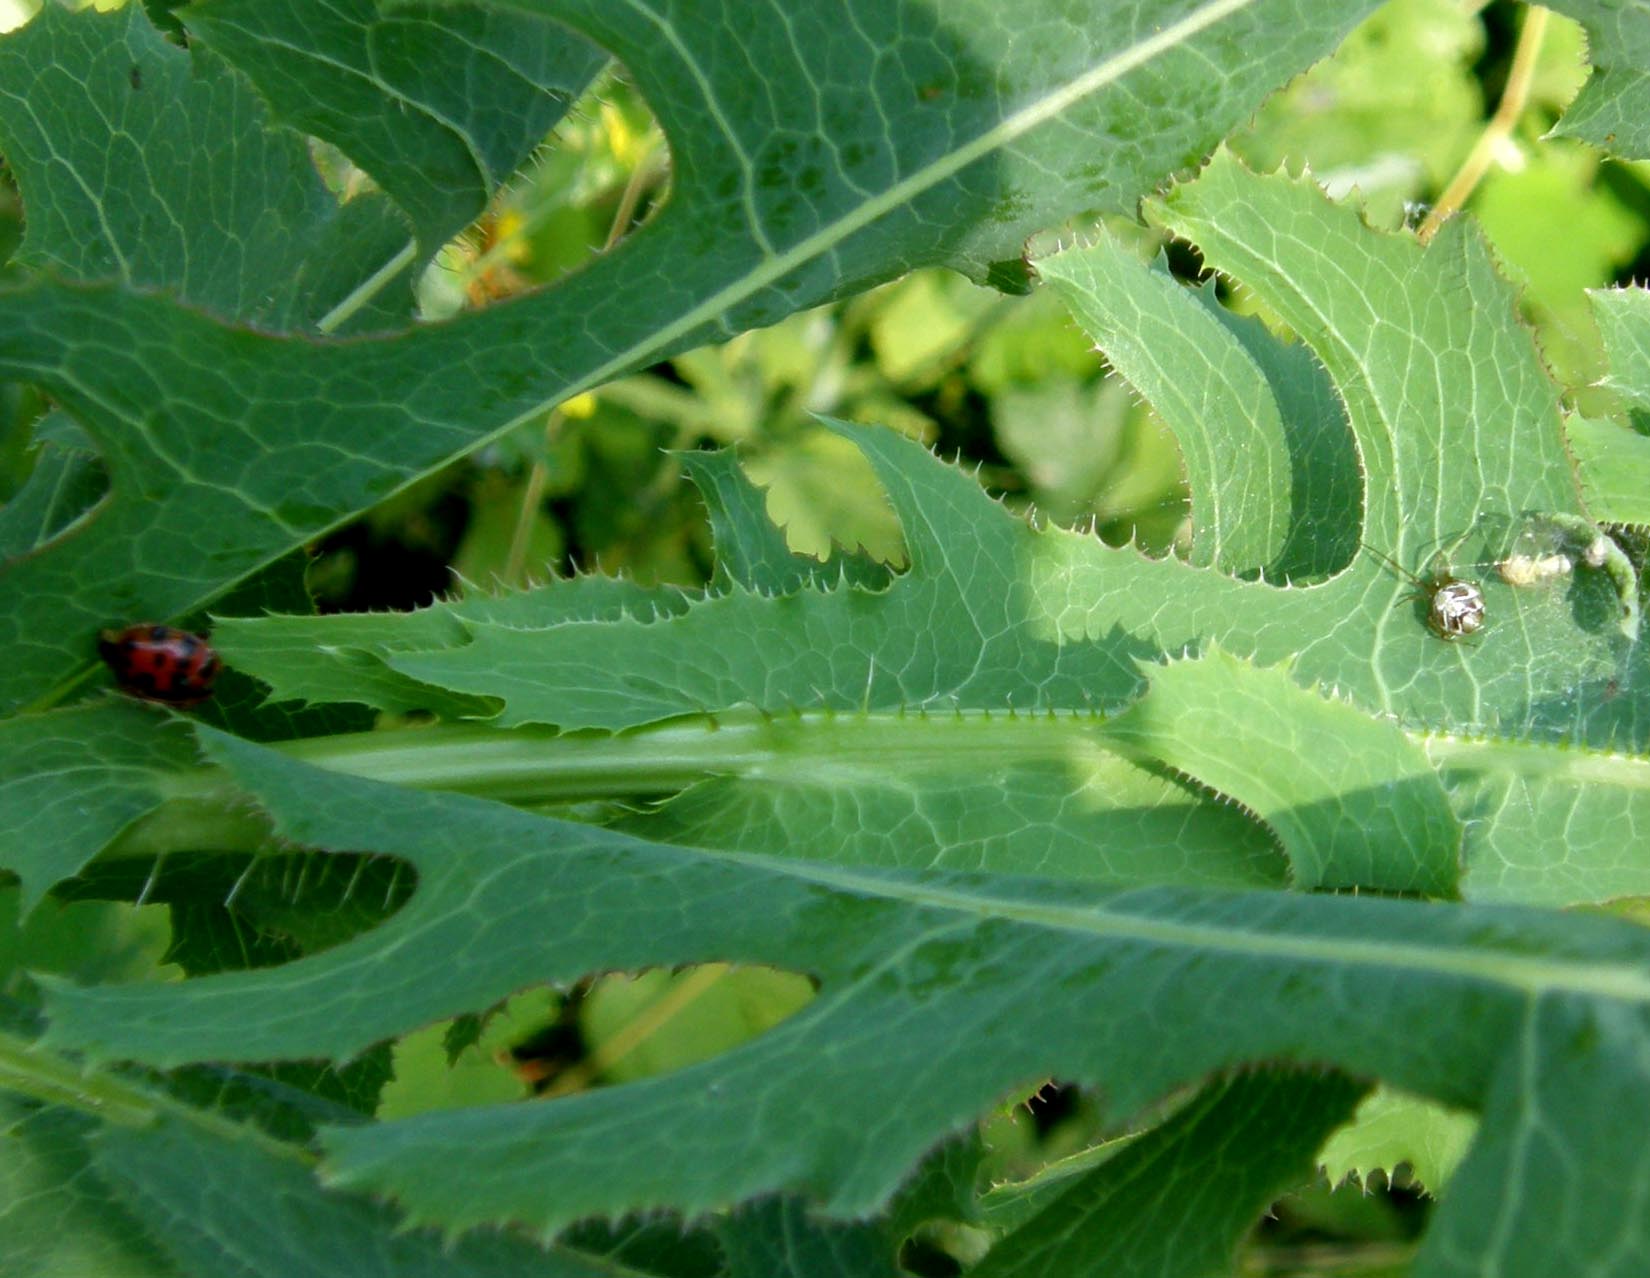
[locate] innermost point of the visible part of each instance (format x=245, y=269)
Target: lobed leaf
x=751, y=552
x=1261, y=430
x=76, y=778
x=949, y=148
x=229, y=1207
x=1236, y=454
x=1614, y=461
x=885, y=732
x=1179, y=1200
x=1390, y=1129
x=157, y=167
x=994, y=615
x=1609, y=110
x=56, y=1214
x=1354, y=801
x=440, y=103
x=1517, y=1013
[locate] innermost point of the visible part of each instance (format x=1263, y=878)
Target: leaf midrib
x=1533, y=976
x=775, y=266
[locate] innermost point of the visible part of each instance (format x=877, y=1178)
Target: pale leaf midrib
x=775, y=266
x=1529, y=975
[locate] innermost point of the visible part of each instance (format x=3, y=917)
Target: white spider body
x=1455, y=607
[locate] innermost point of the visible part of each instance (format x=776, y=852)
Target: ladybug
x=161, y=663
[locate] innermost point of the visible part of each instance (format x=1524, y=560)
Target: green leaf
x=1491, y=1008
x=951, y=154
x=1233, y=441
x=1613, y=461
x=996, y=625
x=1354, y=800
x=1613, y=464
x=1453, y=462
x=1458, y=428
x=776, y=1239
x=1390, y=1129
x=1179, y=1200
x=947, y=639
x=994, y=614
x=75, y=779
x=106, y=125
x=65, y=482
x=955, y=632
x=1609, y=112
x=865, y=757
x=1258, y=423
x=57, y=1216
x=751, y=553
x=345, y=657
x=439, y=103
x=232, y=1209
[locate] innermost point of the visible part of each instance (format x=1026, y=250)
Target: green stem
x=1514, y=99
x=31, y=1071
x=539, y=765
x=535, y=766
x=367, y=289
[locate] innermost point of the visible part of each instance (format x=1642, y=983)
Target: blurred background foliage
x=1007, y=384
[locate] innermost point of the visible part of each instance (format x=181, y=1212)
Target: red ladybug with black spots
x=161, y=663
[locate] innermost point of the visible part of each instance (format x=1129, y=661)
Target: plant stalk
x=1514, y=98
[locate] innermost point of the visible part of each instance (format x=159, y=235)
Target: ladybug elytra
x=161, y=663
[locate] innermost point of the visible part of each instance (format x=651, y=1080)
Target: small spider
x=1455, y=606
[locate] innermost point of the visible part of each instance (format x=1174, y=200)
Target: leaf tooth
x=1232, y=801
